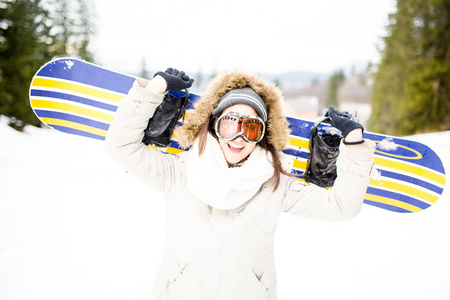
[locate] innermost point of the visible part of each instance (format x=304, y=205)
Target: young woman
x=224, y=195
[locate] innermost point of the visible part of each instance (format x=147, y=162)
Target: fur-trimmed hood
x=277, y=130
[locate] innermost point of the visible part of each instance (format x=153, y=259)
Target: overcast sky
x=250, y=35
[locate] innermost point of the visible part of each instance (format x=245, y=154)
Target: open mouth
x=235, y=148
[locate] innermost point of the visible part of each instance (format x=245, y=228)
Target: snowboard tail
x=81, y=98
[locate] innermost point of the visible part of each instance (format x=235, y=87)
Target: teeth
x=236, y=147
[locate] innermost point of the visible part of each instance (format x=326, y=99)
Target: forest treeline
x=33, y=32
x=411, y=93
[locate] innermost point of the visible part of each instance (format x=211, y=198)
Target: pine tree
x=411, y=90
x=25, y=43
x=72, y=23
x=144, y=72
x=335, y=82
x=199, y=79
x=86, y=30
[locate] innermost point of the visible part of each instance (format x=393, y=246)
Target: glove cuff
x=350, y=126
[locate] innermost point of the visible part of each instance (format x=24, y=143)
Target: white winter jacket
x=225, y=254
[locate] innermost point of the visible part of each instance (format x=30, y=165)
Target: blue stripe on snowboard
x=75, y=70
x=297, y=173
x=296, y=153
x=174, y=144
x=192, y=97
x=77, y=99
x=387, y=206
x=300, y=128
x=78, y=132
x=72, y=118
x=397, y=196
x=412, y=180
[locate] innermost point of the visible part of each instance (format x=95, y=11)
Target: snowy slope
x=73, y=225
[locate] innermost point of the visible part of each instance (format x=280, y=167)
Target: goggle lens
x=229, y=126
x=252, y=129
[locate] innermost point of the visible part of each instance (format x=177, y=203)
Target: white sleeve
x=345, y=199
x=124, y=138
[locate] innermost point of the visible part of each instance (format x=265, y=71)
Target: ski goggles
x=232, y=125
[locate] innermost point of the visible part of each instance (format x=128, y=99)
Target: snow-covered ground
x=73, y=225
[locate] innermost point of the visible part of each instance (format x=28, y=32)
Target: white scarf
x=210, y=179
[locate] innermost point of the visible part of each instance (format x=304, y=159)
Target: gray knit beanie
x=242, y=96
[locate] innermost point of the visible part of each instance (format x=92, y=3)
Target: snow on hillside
x=73, y=225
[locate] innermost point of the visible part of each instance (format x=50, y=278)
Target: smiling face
x=237, y=150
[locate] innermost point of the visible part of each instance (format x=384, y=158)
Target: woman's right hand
x=157, y=85
x=171, y=79
x=176, y=80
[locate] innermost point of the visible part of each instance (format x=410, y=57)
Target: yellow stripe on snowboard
x=77, y=88
x=416, y=170
x=74, y=125
x=297, y=142
x=407, y=189
x=70, y=108
x=392, y=202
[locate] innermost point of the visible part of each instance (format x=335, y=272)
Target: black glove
x=342, y=121
x=176, y=80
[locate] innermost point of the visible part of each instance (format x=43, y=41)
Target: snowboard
x=81, y=98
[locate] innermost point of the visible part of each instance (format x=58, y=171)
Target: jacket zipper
x=220, y=254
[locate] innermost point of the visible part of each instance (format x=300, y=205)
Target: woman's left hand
x=342, y=122
x=351, y=129
x=354, y=136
